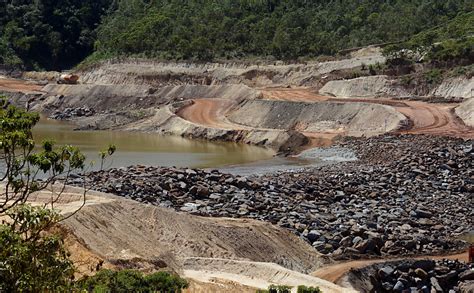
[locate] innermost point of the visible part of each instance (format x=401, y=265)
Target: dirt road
x=209, y=112
x=436, y=119
x=334, y=273
x=252, y=274
x=17, y=85
x=212, y=113
x=426, y=118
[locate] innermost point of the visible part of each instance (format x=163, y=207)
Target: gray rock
x=313, y=236
x=399, y=286
x=467, y=275
x=385, y=272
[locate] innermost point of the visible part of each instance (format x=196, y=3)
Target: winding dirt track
x=212, y=113
x=209, y=112
x=335, y=272
x=436, y=119
x=426, y=118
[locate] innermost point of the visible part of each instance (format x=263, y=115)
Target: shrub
x=132, y=281
x=304, y=289
x=433, y=76
x=372, y=70
x=30, y=261
x=276, y=289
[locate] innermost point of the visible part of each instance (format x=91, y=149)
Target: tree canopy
x=48, y=34
x=282, y=29
x=58, y=34
x=451, y=41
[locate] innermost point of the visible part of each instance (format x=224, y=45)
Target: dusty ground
x=252, y=274
x=210, y=112
x=16, y=85
x=426, y=118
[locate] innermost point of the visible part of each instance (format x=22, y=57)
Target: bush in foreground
x=132, y=281
x=304, y=289
x=287, y=289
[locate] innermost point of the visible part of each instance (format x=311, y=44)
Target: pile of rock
x=415, y=276
x=69, y=113
x=418, y=204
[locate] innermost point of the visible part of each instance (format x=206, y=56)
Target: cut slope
x=383, y=86
x=355, y=119
x=117, y=233
x=362, y=87
x=466, y=112
x=425, y=118
x=258, y=275
x=127, y=96
x=126, y=230
x=147, y=72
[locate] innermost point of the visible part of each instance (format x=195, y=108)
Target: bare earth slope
x=234, y=255
x=147, y=72
x=465, y=111
x=125, y=230
x=426, y=118
x=15, y=85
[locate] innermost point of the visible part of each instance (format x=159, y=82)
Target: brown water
x=149, y=148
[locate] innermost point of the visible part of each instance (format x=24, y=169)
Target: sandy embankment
x=214, y=253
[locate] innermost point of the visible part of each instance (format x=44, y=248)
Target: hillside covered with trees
x=48, y=34
x=448, y=44
x=58, y=34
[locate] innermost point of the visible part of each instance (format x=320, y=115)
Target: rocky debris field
x=415, y=276
x=69, y=113
x=407, y=195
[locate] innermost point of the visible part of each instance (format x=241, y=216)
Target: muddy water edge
x=150, y=148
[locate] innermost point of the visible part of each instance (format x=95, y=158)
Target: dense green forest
x=451, y=43
x=52, y=34
x=283, y=29
x=48, y=34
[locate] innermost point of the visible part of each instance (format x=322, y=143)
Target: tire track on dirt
x=18, y=85
x=210, y=113
x=426, y=118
